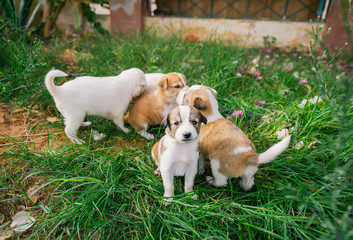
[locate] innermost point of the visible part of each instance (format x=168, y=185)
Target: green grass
x=108, y=191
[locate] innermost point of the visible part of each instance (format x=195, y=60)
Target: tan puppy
x=230, y=151
x=152, y=107
x=177, y=153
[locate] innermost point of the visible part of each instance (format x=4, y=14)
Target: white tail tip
x=56, y=73
x=274, y=151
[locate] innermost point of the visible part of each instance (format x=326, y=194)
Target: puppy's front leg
x=201, y=164
x=168, y=183
x=120, y=123
x=190, y=174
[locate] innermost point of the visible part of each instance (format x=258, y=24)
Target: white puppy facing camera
x=177, y=153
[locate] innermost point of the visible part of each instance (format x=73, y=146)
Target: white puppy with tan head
x=177, y=153
x=152, y=107
x=230, y=151
x=103, y=96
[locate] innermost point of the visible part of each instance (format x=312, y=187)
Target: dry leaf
x=2, y=218
x=97, y=136
x=282, y=134
x=299, y=145
x=53, y=119
x=6, y=234
x=22, y=221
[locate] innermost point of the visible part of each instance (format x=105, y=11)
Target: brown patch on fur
x=149, y=107
x=219, y=139
x=199, y=99
x=155, y=149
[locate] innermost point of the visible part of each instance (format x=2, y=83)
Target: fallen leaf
x=312, y=144
x=22, y=221
x=299, y=145
x=282, y=134
x=6, y=234
x=53, y=119
x=97, y=136
x=315, y=99
x=2, y=218
x=302, y=104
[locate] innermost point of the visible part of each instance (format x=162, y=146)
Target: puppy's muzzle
x=187, y=136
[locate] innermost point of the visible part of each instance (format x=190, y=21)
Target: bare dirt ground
x=27, y=126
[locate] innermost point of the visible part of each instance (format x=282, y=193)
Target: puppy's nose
x=187, y=135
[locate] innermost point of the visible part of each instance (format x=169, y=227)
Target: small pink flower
x=260, y=103
x=257, y=73
x=275, y=85
x=307, y=52
x=303, y=81
x=260, y=78
x=289, y=68
x=237, y=113
x=145, y=68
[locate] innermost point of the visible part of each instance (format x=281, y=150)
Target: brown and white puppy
x=230, y=151
x=177, y=153
x=152, y=107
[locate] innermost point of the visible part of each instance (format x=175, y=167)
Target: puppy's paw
x=146, y=135
x=77, y=141
x=167, y=201
x=86, y=124
x=209, y=179
x=194, y=197
x=201, y=171
x=157, y=172
x=126, y=130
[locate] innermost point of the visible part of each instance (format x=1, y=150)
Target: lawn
x=106, y=189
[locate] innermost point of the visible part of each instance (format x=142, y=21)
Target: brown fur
x=219, y=138
x=156, y=148
x=174, y=116
x=149, y=107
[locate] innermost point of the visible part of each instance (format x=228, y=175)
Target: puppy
x=177, y=153
x=152, y=80
x=104, y=96
x=152, y=107
x=229, y=149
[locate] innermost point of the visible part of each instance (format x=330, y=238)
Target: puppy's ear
x=163, y=83
x=203, y=119
x=165, y=122
x=199, y=104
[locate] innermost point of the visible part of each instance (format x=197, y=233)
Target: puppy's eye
x=194, y=122
x=176, y=123
x=177, y=86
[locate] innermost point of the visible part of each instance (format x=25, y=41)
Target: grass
x=107, y=189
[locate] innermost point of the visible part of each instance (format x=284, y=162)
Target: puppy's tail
x=274, y=151
x=49, y=80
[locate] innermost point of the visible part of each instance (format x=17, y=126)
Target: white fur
x=179, y=158
x=214, y=104
x=183, y=80
x=247, y=176
x=180, y=97
x=186, y=126
x=104, y=96
x=239, y=150
x=152, y=80
x=218, y=178
x=274, y=151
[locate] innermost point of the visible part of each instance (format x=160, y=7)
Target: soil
x=27, y=126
